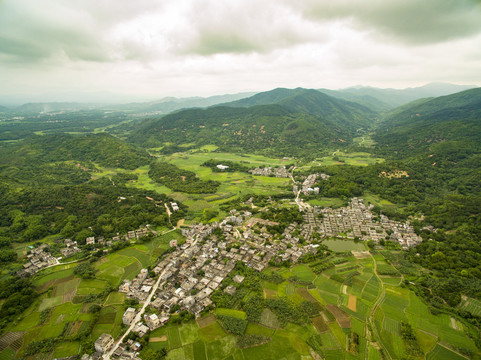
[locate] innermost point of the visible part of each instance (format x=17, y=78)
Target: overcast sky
x=145, y=49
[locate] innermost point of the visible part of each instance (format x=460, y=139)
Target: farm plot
x=11, y=339
x=174, y=337
x=230, y=312
x=320, y=324
x=269, y=319
x=142, y=256
x=371, y=290
x=199, y=350
x=206, y=321
x=342, y=318
x=391, y=325
x=442, y=353
x=352, y=304
x=212, y=332
x=394, y=305
x=472, y=305
x=304, y=273
x=306, y=295
x=90, y=286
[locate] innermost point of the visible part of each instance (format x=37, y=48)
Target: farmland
x=343, y=296
x=63, y=309
x=344, y=302
x=355, y=307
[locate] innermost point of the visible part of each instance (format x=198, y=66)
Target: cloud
x=33, y=32
x=411, y=21
x=203, y=47
x=247, y=26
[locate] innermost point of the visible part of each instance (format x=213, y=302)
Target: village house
x=129, y=316
x=104, y=343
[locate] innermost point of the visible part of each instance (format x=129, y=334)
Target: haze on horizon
x=91, y=50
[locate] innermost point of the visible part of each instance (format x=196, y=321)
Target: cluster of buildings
x=197, y=268
x=357, y=221
x=309, y=182
x=189, y=275
x=125, y=351
x=139, y=288
x=280, y=172
x=38, y=259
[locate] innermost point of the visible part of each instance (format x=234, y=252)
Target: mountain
x=170, y=104
x=281, y=122
x=52, y=107
x=387, y=99
x=312, y=102
x=434, y=124
x=3, y=108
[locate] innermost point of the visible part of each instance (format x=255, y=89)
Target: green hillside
x=280, y=122
x=452, y=121
x=103, y=149
x=313, y=102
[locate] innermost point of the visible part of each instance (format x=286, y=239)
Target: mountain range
x=280, y=120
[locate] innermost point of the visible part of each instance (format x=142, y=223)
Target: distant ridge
x=387, y=99
x=169, y=104
x=164, y=105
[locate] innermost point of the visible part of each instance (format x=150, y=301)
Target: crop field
x=303, y=272
x=343, y=245
x=174, y=337
x=442, y=353
x=269, y=319
x=231, y=312
x=328, y=202
x=354, y=158
x=472, y=305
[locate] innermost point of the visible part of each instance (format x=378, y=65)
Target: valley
x=288, y=224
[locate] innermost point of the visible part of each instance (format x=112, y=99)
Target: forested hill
x=439, y=124
x=313, y=102
x=40, y=157
x=281, y=122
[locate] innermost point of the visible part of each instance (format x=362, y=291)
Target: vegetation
x=424, y=302
x=180, y=180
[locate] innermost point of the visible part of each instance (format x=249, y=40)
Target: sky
x=118, y=50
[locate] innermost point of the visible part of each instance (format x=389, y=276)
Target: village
x=189, y=275
x=40, y=257
x=356, y=221
x=280, y=172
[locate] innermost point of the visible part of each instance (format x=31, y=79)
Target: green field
x=442, y=353
x=303, y=272
x=232, y=184
x=354, y=158
x=343, y=245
